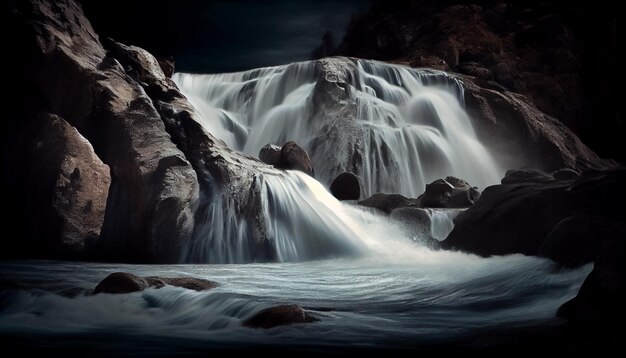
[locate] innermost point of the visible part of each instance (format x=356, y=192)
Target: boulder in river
x=279, y=316
x=450, y=192
x=346, y=186
x=293, y=157
x=124, y=282
x=270, y=154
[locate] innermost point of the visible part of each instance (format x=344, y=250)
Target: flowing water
x=368, y=281
x=416, y=298
x=398, y=128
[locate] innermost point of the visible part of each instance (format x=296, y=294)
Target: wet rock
x=190, y=283
x=270, y=154
x=544, y=219
x=121, y=282
x=346, y=186
x=388, y=202
x=417, y=223
x=526, y=176
x=449, y=193
x=293, y=157
x=124, y=282
x=279, y=316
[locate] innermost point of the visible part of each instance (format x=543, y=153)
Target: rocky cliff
x=560, y=56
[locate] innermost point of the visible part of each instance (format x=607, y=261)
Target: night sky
x=223, y=36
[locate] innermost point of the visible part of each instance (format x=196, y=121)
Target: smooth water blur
x=410, y=300
x=411, y=127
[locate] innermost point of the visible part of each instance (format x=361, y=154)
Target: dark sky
x=223, y=36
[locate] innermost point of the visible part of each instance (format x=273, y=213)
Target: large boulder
x=293, y=157
x=600, y=301
x=450, y=192
x=124, y=282
x=154, y=187
x=270, y=154
x=279, y=316
x=544, y=219
x=346, y=186
x=67, y=189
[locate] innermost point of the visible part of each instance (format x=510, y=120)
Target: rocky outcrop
x=270, y=154
x=279, y=316
x=67, y=189
x=564, y=220
x=526, y=176
x=346, y=186
x=293, y=157
x=450, y=192
x=124, y=282
x=519, y=134
x=166, y=170
x=544, y=51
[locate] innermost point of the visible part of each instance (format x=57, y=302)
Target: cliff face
x=163, y=165
x=560, y=56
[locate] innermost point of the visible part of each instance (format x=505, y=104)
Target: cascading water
x=397, y=128
x=404, y=127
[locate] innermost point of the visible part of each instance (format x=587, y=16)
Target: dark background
x=223, y=36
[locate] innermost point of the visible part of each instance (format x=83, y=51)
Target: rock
x=579, y=234
x=541, y=218
x=121, y=282
x=526, y=176
x=388, y=202
x=449, y=193
x=279, y=316
x=68, y=188
x=167, y=65
x=154, y=187
x=565, y=174
x=293, y=157
x=600, y=302
x=190, y=283
x=124, y=282
x=270, y=154
x=531, y=49
x=519, y=134
x=417, y=223
x=437, y=194
x=346, y=186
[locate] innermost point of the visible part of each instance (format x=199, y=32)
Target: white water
x=421, y=298
x=408, y=125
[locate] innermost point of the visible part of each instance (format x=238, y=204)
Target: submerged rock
x=121, y=282
x=346, y=186
x=124, y=282
x=270, y=154
x=279, y=316
x=293, y=157
x=388, y=202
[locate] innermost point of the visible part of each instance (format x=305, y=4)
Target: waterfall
x=396, y=127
